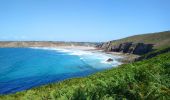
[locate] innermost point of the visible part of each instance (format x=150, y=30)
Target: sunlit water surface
x=24, y=68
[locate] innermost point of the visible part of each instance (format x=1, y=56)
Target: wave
x=70, y=51
x=41, y=65
x=88, y=56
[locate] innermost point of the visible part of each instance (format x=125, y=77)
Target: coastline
x=123, y=73
x=72, y=65
x=85, y=46
x=88, y=48
x=125, y=57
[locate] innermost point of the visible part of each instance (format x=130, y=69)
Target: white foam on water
x=69, y=51
x=81, y=58
x=92, y=58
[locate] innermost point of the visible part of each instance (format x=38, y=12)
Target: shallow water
x=24, y=68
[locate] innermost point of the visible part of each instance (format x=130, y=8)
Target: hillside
x=159, y=39
x=148, y=78
x=143, y=80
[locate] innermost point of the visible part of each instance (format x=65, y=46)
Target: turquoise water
x=24, y=68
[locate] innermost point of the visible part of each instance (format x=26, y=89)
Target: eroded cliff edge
x=127, y=47
x=141, y=45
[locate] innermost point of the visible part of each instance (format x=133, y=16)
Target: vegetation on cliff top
x=147, y=79
x=160, y=39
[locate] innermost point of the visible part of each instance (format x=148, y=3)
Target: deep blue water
x=24, y=68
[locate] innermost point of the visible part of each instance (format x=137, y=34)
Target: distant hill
x=43, y=43
x=159, y=39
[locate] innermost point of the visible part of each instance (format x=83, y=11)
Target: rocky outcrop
x=140, y=48
x=127, y=47
x=124, y=47
x=109, y=60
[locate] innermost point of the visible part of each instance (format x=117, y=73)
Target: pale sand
x=126, y=58
x=77, y=47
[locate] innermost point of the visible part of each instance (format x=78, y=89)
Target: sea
x=25, y=68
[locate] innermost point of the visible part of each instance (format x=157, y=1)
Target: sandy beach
x=126, y=58
x=77, y=47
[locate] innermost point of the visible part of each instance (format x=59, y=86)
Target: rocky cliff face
x=127, y=47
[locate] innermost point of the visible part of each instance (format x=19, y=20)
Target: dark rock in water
x=109, y=60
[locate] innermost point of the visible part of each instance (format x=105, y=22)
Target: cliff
x=159, y=39
x=138, y=44
x=127, y=47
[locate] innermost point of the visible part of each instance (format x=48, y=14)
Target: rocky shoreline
x=127, y=47
x=126, y=58
x=129, y=50
x=105, y=47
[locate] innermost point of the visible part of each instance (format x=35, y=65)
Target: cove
x=24, y=68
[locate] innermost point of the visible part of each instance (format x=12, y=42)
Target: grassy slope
x=161, y=39
x=148, y=79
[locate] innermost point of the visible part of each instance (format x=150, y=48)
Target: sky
x=81, y=20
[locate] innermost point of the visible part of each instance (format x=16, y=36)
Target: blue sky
x=81, y=20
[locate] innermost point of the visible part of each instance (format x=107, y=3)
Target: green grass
x=160, y=39
x=143, y=80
